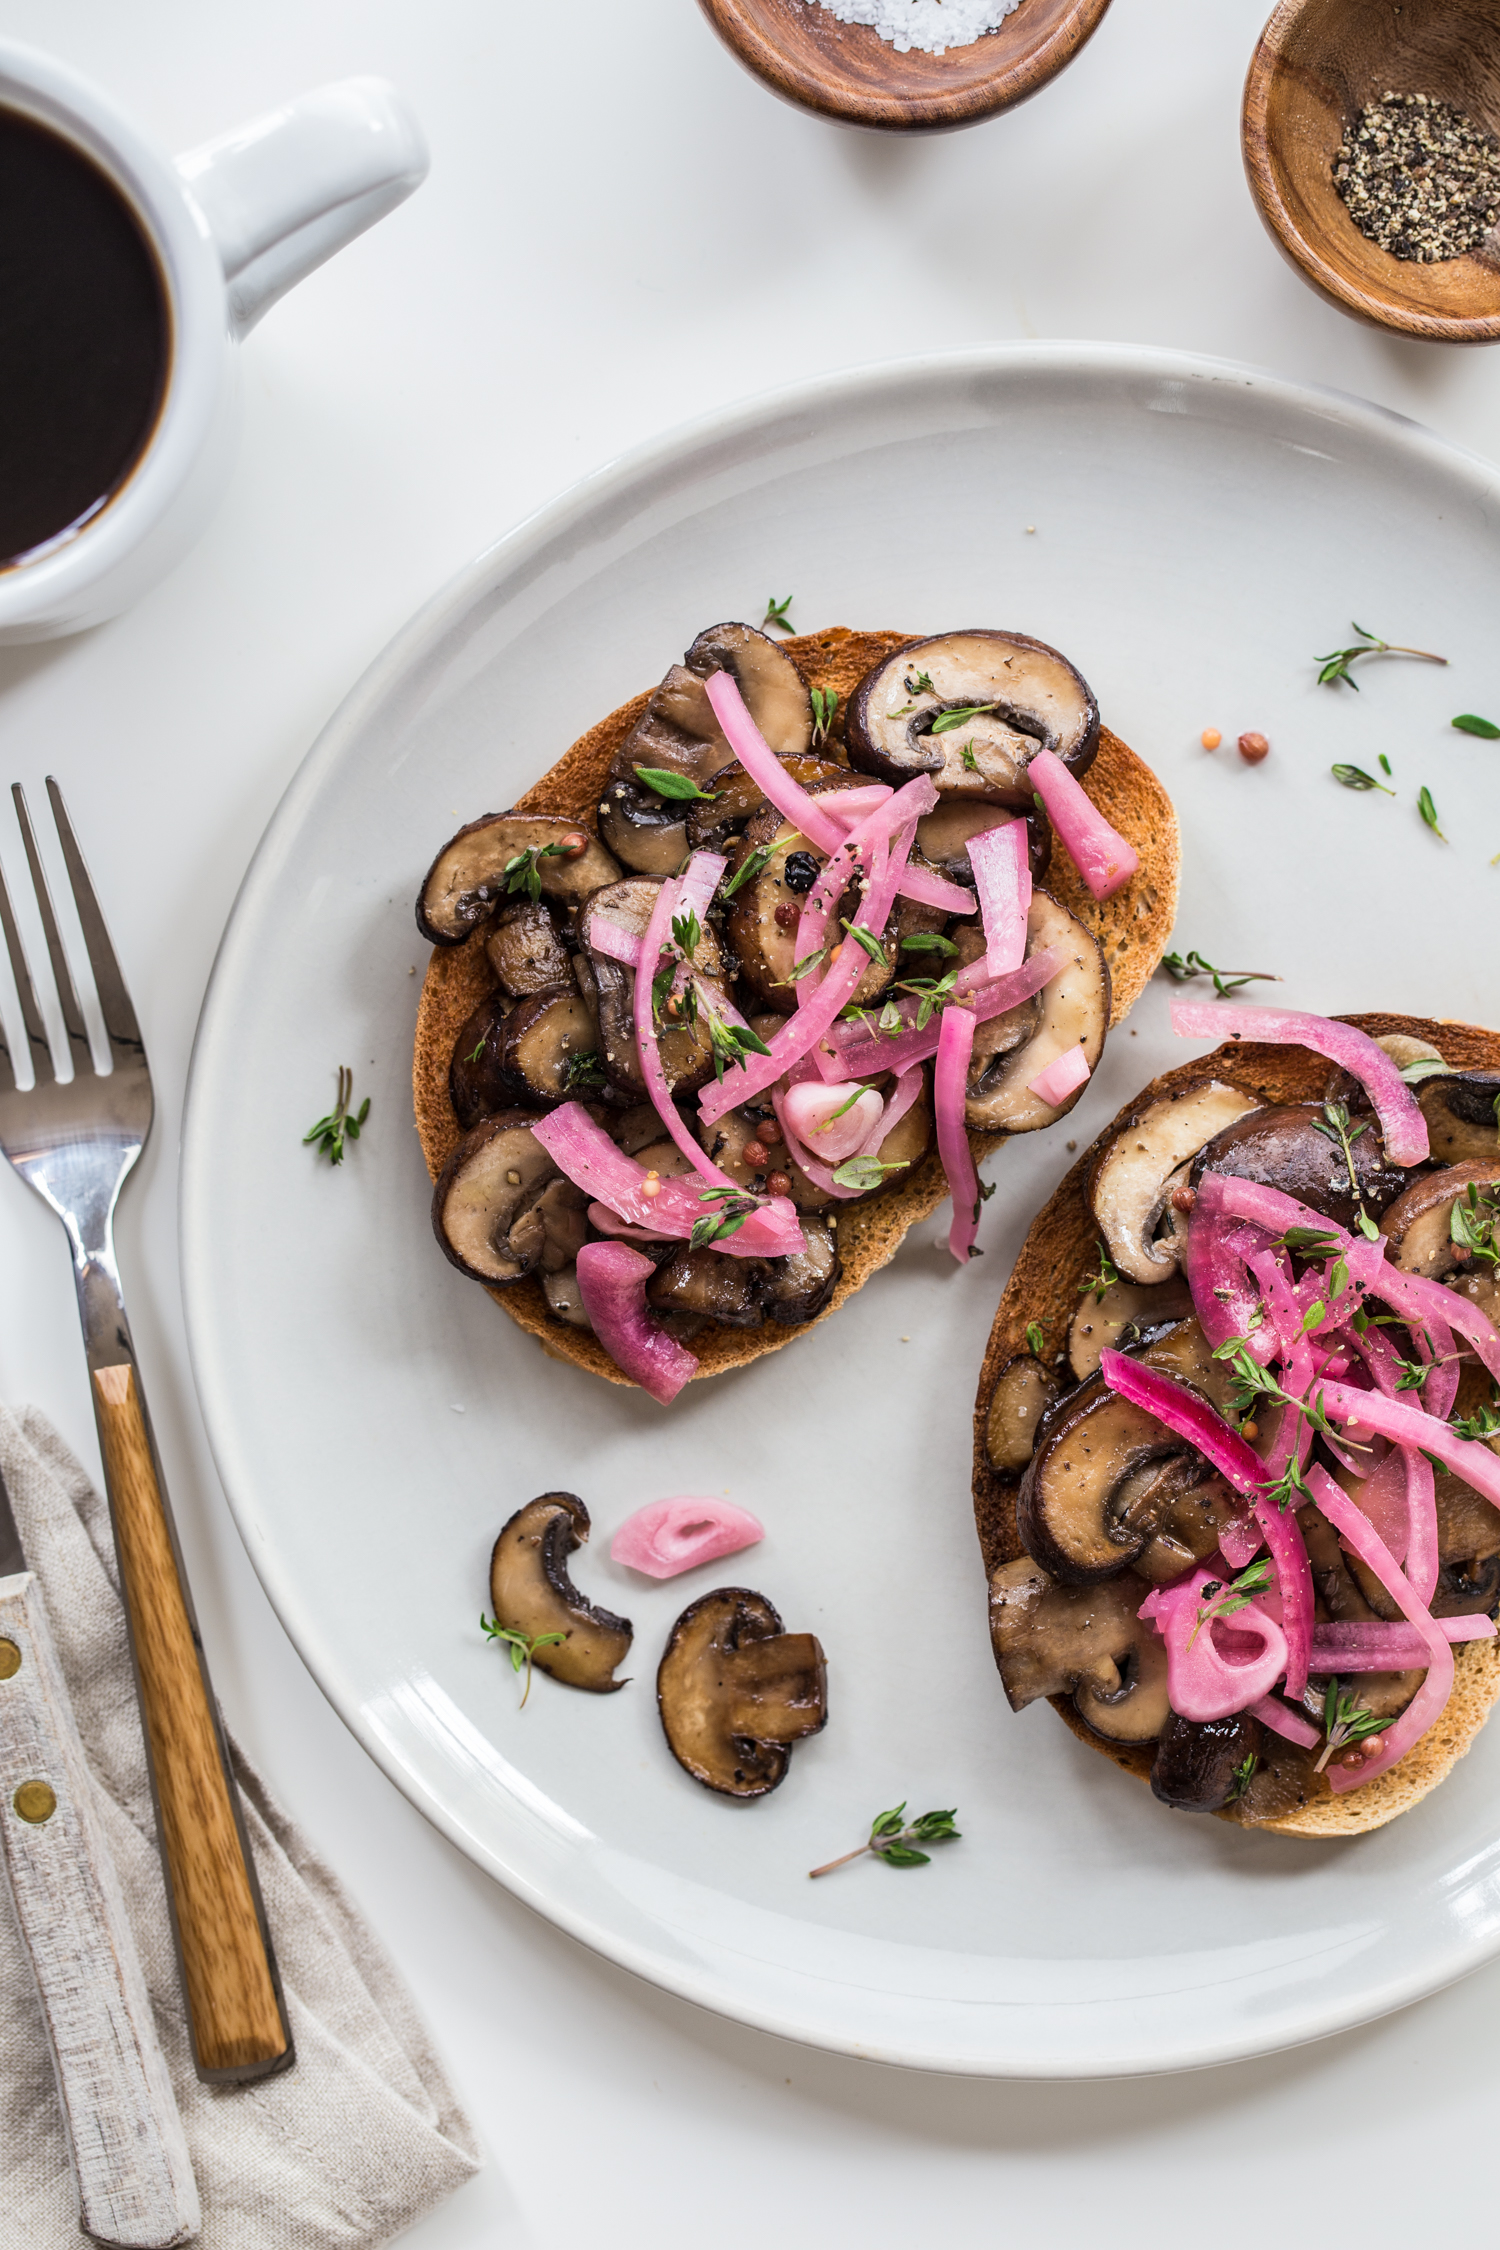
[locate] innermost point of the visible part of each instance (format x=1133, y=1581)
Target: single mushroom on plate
x=678, y=734
x=1083, y=1641
x=532, y=1594
x=735, y=1692
x=473, y=872
x=1013, y=1049
x=972, y=709
x=1132, y=1181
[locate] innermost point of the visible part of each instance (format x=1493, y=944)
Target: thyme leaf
x=1036, y=1342
x=1103, y=1278
x=1221, y=1600
x=946, y=721
x=1469, y=722
x=866, y=942
x=523, y=873
x=968, y=759
x=1345, y=1720
x=865, y=1172
x=825, y=703
x=752, y=865
x=927, y=941
x=776, y=613
x=676, y=787
x=1355, y=777
x=1428, y=810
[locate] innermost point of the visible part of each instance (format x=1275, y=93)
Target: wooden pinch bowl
x=1319, y=62
x=847, y=71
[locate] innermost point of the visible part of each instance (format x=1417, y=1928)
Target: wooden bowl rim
x=1255, y=143
x=987, y=96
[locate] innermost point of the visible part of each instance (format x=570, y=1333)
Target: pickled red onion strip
x=1100, y=854
x=1215, y=1665
x=1270, y=1269
x=612, y=1282
x=1063, y=1076
x=590, y=1159
x=1281, y=1719
x=1214, y=1267
x=1001, y=860
x=1402, y=1125
x=860, y=1053
x=654, y=942
x=1192, y=1417
x=613, y=940
x=1370, y=1645
x=854, y=858
x=1408, y=1425
x=667, y=1537
x=950, y=1090
x=1425, y=1304
x=1359, y=1534
x=924, y=886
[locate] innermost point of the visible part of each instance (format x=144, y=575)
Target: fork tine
x=31, y=1015
x=67, y=997
x=114, y=995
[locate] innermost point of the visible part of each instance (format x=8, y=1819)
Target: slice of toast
x=1132, y=928
x=1044, y=1287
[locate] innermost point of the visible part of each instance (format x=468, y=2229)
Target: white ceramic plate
x=1200, y=533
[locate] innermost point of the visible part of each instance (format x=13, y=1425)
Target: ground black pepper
x=1419, y=178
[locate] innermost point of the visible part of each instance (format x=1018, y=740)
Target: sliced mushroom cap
x=1024, y=1389
x=1468, y=1558
x=1197, y=1760
x=1124, y=1314
x=549, y=1048
x=797, y=1287
x=1418, y=1226
x=1110, y=1488
x=735, y=1692
x=1087, y=1641
x=1462, y=1120
x=1023, y=695
x=1130, y=1185
x=943, y=836
x=709, y=1285
x=738, y=797
x=531, y=1593
x=1010, y=1050
x=467, y=880
x=524, y=949
x=1282, y=1147
x=477, y=1085
x=483, y=1199
x=565, y=1298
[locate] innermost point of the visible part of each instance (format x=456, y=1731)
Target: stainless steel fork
x=74, y=1142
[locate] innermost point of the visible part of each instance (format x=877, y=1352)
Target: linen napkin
x=364, y=2134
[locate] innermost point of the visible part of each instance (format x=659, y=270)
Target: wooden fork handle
x=235, y=2011
x=135, y=2179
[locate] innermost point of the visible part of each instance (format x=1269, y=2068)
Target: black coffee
x=85, y=338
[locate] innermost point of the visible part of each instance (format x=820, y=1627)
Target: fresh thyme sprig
x=1472, y=1222
x=894, y=1839
x=522, y=874
x=1252, y=1382
x=678, y=788
x=921, y=684
x=1482, y=1424
x=1036, y=1342
x=1429, y=812
x=1221, y=1600
x=730, y=1043
x=1243, y=1775
x=1335, y=1125
x=1104, y=1277
x=1355, y=777
x=523, y=1647
x=776, y=613
x=734, y=1209
x=1345, y=1721
x=341, y=1123
x=968, y=759
x=1183, y=967
x=585, y=1073
x=825, y=703
x=931, y=995
x=1337, y=662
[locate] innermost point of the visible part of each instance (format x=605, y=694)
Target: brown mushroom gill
x=972, y=709
x=736, y=1691
x=944, y=835
x=532, y=1594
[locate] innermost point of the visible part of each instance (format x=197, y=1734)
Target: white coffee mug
x=234, y=224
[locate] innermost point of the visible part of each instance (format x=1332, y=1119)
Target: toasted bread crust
x=1132, y=927
x=1043, y=1287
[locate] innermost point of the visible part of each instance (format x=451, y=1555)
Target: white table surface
x=622, y=230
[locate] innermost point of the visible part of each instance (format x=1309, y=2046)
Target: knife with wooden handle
x=135, y=2181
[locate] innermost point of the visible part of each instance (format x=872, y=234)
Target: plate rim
x=674, y=451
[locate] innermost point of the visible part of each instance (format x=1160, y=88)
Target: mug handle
x=287, y=190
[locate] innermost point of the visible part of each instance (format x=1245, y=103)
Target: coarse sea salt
x=932, y=25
